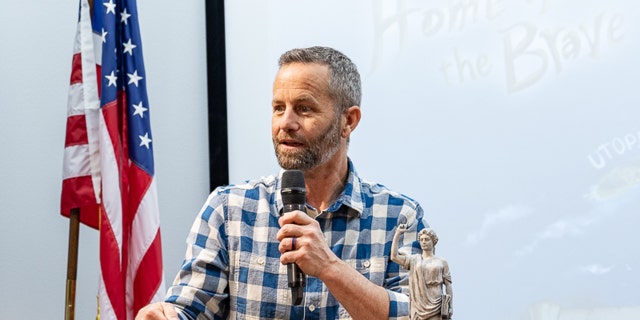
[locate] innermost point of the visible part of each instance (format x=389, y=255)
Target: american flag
x=108, y=162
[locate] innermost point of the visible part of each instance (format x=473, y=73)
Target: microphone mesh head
x=292, y=179
x=293, y=189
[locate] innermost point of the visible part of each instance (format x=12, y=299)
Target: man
x=238, y=248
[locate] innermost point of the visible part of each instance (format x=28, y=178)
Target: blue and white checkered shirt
x=232, y=267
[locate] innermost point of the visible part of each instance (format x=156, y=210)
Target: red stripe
x=149, y=275
x=115, y=283
x=117, y=131
x=76, y=131
x=76, y=68
x=98, y=72
x=112, y=271
x=139, y=182
x=77, y=192
x=115, y=122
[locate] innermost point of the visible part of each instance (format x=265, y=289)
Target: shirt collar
x=349, y=203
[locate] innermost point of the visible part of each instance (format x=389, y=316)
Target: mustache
x=288, y=137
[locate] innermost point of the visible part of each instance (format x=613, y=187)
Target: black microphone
x=293, y=198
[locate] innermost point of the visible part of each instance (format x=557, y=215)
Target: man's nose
x=290, y=120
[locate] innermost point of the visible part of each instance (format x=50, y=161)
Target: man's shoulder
x=248, y=193
x=267, y=184
x=376, y=189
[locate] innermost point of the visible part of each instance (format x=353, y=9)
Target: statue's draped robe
x=426, y=277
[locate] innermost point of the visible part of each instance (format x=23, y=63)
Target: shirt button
x=367, y=264
x=312, y=308
x=260, y=261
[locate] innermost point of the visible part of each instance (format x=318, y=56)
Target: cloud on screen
x=494, y=220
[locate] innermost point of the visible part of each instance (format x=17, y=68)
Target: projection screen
x=515, y=124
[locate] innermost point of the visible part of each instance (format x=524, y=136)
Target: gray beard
x=316, y=152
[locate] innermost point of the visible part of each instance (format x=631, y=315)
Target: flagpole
x=72, y=264
x=91, y=7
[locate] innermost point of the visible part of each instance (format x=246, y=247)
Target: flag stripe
x=76, y=162
x=111, y=272
x=145, y=241
x=113, y=193
x=112, y=261
x=78, y=193
x=76, y=99
x=146, y=283
x=140, y=182
x=76, y=68
x=76, y=131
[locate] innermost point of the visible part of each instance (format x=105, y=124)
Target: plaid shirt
x=232, y=267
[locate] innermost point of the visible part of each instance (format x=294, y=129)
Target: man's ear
x=352, y=117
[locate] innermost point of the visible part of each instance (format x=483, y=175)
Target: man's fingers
x=158, y=311
x=169, y=311
x=289, y=244
x=296, y=217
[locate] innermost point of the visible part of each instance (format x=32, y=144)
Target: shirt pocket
x=373, y=268
x=259, y=288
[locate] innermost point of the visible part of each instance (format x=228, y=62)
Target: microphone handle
x=296, y=278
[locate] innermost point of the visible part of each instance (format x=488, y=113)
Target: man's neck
x=325, y=182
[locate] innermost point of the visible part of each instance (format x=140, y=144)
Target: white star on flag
x=111, y=7
x=128, y=47
x=134, y=77
x=104, y=36
x=124, y=16
x=112, y=79
x=144, y=140
x=139, y=109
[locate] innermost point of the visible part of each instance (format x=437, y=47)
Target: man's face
x=305, y=128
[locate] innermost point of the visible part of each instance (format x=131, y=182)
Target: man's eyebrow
x=303, y=98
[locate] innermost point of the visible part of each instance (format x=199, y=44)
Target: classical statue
x=427, y=275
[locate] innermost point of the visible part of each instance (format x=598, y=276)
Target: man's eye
x=304, y=109
x=278, y=109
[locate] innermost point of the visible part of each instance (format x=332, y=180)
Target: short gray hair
x=344, y=79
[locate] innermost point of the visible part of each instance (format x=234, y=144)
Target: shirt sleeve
x=200, y=288
x=398, y=305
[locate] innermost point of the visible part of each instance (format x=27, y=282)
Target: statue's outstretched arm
x=396, y=256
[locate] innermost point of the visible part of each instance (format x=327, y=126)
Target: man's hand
x=402, y=228
x=158, y=311
x=311, y=252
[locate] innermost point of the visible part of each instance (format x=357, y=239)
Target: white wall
x=533, y=192
x=35, y=64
